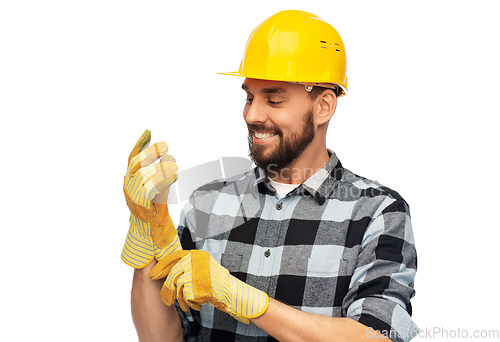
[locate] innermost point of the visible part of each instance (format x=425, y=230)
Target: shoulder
x=243, y=180
x=356, y=186
x=366, y=197
x=224, y=189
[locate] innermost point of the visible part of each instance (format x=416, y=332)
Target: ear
x=326, y=104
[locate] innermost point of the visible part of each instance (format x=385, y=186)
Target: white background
x=81, y=80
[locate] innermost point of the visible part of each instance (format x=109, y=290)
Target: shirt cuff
x=384, y=316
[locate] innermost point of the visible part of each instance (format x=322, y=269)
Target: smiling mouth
x=263, y=136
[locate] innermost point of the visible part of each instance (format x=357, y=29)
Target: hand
x=151, y=232
x=195, y=278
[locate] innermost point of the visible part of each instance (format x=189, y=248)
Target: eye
x=274, y=103
x=248, y=100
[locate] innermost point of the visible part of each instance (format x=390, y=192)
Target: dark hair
x=317, y=91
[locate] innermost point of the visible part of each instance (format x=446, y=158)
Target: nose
x=255, y=112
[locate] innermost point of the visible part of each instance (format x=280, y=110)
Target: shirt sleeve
x=383, y=280
x=190, y=320
x=186, y=227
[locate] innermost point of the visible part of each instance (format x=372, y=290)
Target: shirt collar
x=320, y=185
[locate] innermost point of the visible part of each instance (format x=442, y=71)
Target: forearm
x=154, y=321
x=288, y=324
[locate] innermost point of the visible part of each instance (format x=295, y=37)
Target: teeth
x=263, y=135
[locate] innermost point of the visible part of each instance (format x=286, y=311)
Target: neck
x=304, y=166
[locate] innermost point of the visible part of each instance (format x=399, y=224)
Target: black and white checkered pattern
x=338, y=245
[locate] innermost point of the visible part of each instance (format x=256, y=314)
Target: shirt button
x=279, y=206
x=267, y=253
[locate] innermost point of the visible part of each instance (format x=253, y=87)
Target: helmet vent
x=326, y=47
x=324, y=42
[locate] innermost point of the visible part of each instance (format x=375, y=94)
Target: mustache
x=264, y=129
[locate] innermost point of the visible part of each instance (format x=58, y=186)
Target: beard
x=288, y=149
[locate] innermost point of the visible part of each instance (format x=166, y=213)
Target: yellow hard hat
x=295, y=46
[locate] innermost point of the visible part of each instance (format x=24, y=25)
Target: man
x=299, y=247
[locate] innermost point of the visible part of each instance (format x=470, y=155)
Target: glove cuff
x=137, y=251
x=175, y=245
x=247, y=301
x=161, y=227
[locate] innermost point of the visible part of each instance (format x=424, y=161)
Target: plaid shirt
x=338, y=245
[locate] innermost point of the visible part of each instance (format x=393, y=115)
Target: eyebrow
x=270, y=90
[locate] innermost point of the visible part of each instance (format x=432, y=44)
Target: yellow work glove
x=151, y=232
x=195, y=278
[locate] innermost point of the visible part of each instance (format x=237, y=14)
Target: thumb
x=142, y=143
x=164, y=265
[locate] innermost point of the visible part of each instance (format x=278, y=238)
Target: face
x=280, y=122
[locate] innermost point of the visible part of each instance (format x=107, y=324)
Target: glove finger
x=164, y=266
x=137, y=189
x=154, y=179
x=142, y=143
x=180, y=268
x=170, y=286
x=194, y=305
x=161, y=179
x=167, y=295
x=180, y=299
x=202, y=281
x=162, y=197
x=187, y=294
x=165, y=174
x=162, y=170
x=167, y=158
x=148, y=156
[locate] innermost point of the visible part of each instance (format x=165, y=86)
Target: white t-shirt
x=283, y=189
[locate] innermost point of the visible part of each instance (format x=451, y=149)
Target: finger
x=163, y=267
x=185, y=291
x=194, y=305
x=148, y=156
x=165, y=174
x=160, y=180
x=136, y=188
x=167, y=295
x=148, y=182
x=180, y=298
x=189, y=297
x=163, y=171
x=172, y=281
x=140, y=144
x=161, y=198
x=167, y=158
